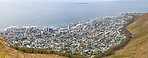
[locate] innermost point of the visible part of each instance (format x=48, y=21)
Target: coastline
x=65, y=26
x=80, y=23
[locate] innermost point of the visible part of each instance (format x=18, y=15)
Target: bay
x=61, y=13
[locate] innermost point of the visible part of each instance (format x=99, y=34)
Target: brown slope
x=138, y=47
x=140, y=26
x=7, y=52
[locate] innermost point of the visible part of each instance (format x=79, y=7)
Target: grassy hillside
x=138, y=47
x=12, y=53
x=7, y=52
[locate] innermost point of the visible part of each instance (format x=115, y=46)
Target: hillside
x=11, y=53
x=7, y=52
x=138, y=47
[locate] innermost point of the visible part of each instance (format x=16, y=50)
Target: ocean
x=60, y=13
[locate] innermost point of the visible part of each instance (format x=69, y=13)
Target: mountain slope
x=138, y=47
x=7, y=52
x=140, y=26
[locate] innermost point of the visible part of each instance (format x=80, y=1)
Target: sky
x=76, y=0
x=86, y=0
x=97, y=0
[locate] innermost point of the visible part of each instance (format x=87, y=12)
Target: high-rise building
x=68, y=27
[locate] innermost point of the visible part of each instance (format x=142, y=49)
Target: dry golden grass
x=8, y=52
x=138, y=47
x=140, y=26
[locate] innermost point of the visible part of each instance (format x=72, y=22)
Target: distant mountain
x=138, y=47
x=82, y=3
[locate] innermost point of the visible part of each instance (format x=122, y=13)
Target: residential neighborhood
x=87, y=38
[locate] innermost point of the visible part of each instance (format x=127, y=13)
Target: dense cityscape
x=86, y=38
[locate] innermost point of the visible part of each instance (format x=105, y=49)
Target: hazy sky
x=76, y=0
x=97, y=0
x=72, y=0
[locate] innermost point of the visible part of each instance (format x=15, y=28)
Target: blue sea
x=60, y=13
